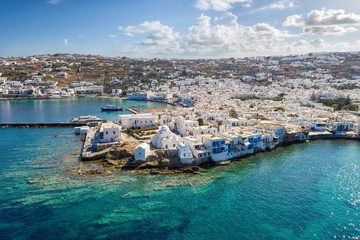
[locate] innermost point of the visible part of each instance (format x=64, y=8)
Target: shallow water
x=304, y=191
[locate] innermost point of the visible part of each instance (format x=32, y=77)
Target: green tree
x=201, y=121
x=233, y=113
x=280, y=109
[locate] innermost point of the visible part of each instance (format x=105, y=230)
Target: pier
x=40, y=125
x=131, y=110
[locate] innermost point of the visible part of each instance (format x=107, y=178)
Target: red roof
x=157, y=110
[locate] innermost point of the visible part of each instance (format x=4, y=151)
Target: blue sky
x=178, y=28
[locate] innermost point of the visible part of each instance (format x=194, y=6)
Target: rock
x=164, y=163
x=148, y=165
x=196, y=168
x=223, y=163
x=31, y=181
x=187, y=170
x=154, y=171
x=112, y=162
x=124, y=151
x=192, y=169
x=96, y=171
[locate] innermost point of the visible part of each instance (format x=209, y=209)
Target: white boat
x=81, y=130
x=111, y=108
x=85, y=119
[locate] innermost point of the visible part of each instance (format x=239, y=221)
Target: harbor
x=41, y=125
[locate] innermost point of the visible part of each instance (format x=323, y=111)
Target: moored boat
x=85, y=119
x=81, y=130
x=111, y=108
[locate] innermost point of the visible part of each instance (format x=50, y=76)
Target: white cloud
x=318, y=43
x=224, y=36
x=282, y=4
x=328, y=30
x=325, y=22
x=80, y=36
x=227, y=18
x=128, y=34
x=158, y=34
x=160, y=38
x=217, y=5
x=67, y=43
x=302, y=46
x=111, y=35
x=331, y=17
x=227, y=36
x=54, y=2
x=292, y=21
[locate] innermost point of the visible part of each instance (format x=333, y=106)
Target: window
x=107, y=132
x=184, y=154
x=114, y=132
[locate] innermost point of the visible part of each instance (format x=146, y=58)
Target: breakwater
x=131, y=110
x=34, y=125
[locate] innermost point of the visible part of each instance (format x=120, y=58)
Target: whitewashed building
x=318, y=126
x=185, y=154
x=109, y=132
x=142, y=151
x=164, y=139
x=137, y=120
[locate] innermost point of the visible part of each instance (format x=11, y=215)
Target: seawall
x=34, y=125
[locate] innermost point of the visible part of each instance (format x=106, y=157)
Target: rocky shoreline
x=121, y=158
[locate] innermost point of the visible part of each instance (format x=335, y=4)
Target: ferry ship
x=112, y=108
x=85, y=119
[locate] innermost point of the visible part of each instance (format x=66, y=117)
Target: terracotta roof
x=155, y=110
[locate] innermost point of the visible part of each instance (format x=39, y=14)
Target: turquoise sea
x=62, y=110
x=303, y=191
